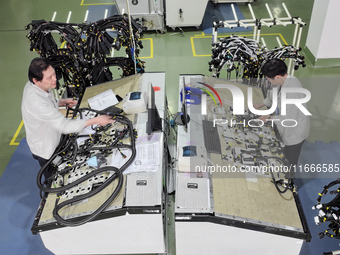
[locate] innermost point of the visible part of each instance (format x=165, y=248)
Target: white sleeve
x=46, y=112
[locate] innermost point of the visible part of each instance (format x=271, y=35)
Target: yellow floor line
x=16, y=134
x=151, y=47
x=193, y=47
x=283, y=39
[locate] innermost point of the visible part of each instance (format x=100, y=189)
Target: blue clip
x=192, y=95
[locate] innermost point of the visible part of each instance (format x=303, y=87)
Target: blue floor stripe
x=308, y=189
x=19, y=199
x=221, y=12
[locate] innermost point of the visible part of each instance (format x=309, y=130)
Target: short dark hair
x=37, y=66
x=274, y=67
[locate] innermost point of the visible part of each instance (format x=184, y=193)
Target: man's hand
x=68, y=102
x=101, y=120
x=264, y=118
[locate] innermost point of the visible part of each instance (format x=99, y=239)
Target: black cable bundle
x=329, y=211
x=70, y=158
x=102, y=41
x=83, y=60
x=246, y=57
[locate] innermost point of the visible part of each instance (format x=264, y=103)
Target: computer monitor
x=184, y=107
x=154, y=122
x=182, y=118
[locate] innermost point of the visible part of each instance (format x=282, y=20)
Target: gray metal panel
x=192, y=194
x=149, y=12
x=191, y=15
x=141, y=190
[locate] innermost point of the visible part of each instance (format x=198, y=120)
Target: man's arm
x=258, y=105
x=101, y=120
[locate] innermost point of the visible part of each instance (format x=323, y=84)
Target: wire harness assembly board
x=82, y=167
x=252, y=147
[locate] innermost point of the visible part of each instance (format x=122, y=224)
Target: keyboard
x=111, y=110
x=211, y=137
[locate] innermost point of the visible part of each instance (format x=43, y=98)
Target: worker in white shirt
x=44, y=123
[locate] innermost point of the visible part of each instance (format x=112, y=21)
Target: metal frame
x=257, y=24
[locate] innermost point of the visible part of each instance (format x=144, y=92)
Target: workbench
x=229, y=212
x=134, y=221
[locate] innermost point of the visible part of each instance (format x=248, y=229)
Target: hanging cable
x=234, y=51
x=83, y=60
